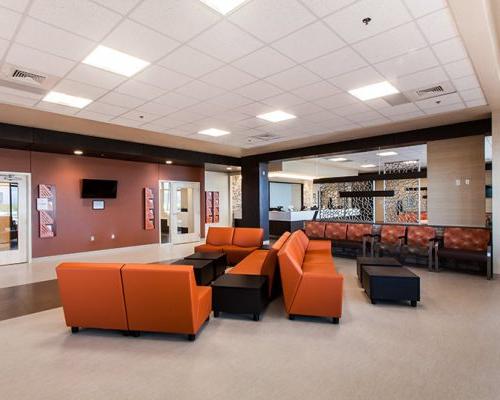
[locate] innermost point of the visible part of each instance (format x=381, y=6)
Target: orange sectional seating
x=237, y=243
x=133, y=297
x=311, y=286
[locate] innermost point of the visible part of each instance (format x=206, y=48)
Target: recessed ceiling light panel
x=115, y=61
x=387, y=154
x=214, y=132
x=374, y=91
x=368, y=166
x=223, y=6
x=276, y=116
x=338, y=159
x=78, y=152
x=66, y=100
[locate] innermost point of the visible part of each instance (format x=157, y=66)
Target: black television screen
x=99, y=189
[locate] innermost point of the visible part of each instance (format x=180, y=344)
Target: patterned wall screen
x=333, y=207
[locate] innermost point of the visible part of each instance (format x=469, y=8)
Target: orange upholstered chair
x=165, y=298
x=92, y=295
x=217, y=237
x=420, y=242
x=311, y=286
x=262, y=262
x=245, y=240
x=336, y=231
x=390, y=240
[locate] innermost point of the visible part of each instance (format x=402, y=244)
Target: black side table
x=240, y=294
x=375, y=262
x=219, y=259
x=203, y=270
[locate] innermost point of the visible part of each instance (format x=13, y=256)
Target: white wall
x=496, y=190
x=219, y=182
x=285, y=194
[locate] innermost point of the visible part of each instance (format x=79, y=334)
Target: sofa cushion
x=324, y=245
x=335, y=231
x=281, y=241
x=219, y=236
x=390, y=234
x=471, y=239
x=207, y=248
x=236, y=253
x=419, y=236
x=315, y=258
x=314, y=267
x=355, y=232
x=315, y=229
x=248, y=237
x=302, y=239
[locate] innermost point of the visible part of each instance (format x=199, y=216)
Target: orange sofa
x=237, y=243
x=311, y=286
x=262, y=262
x=133, y=297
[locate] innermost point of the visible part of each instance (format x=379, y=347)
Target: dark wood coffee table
x=375, y=262
x=240, y=294
x=219, y=259
x=203, y=270
x=389, y=283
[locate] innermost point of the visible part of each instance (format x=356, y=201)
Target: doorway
x=180, y=212
x=14, y=218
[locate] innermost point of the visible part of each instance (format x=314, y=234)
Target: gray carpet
x=446, y=348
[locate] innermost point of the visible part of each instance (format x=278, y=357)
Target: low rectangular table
x=389, y=283
x=240, y=294
x=375, y=262
x=219, y=259
x=203, y=270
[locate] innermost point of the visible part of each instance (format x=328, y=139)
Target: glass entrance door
x=13, y=218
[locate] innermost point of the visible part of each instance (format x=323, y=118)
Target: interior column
x=495, y=133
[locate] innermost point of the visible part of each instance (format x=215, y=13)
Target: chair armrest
x=204, y=303
x=265, y=247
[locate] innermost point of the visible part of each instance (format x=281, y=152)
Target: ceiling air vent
x=435, y=90
x=27, y=77
x=15, y=77
x=440, y=89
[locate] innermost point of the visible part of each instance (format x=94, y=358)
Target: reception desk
x=282, y=221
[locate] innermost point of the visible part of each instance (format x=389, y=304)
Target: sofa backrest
x=315, y=229
x=355, y=232
x=290, y=259
x=92, y=295
x=160, y=297
x=391, y=234
x=419, y=236
x=472, y=239
x=248, y=237
x=336, y=231
x=219, y=236
x=303, y=240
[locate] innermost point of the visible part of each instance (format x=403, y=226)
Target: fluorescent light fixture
x=368, y=166
x=223, y=6
x=276, y=116
x=229, y=168
x=78, y=152
x=374, y=91
x=66, y=100
x=288, y=175
x=115, y=61
x=214, y=132
x=168, y=162
x=387, y=154
x=338, y=159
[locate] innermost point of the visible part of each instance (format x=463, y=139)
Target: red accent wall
x=75, y=219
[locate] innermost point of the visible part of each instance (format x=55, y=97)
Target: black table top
x=378, y=261
x=389, y=272
x=195, y=263
x=205, y=256
x=240, y=281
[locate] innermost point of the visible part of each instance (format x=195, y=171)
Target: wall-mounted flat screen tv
x=99, y=189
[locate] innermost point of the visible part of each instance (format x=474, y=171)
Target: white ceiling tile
x=336, y=63
x=254, y=109
x=374, y=122
x=335, y=101
x=316, y=91
x=438, y=26
x=53, y=40
x=121, y=6
x=450, y=50
x=38, y=61
x=94, y=116
x=251, y=122
x=476, y=103
x=176, y=100
x=421, y=7
x=263, y=62
x=231, y=100
x=179, y=19
x=324, y=7
x=293, y=78
x=459, y=69
x=225, y=42
x=467, y=82
x=352, y=109
x=390, y=44
x=364, y=116
x=228, y=78
x=79, y=89
x=121, y=100
x=153, y=127
x=325, y=116
x=95, y=76
x=258, y=90
x=471, y=94
x=10, y=98
x=439, y=102
x=139, y=90
x=445, y=109
x=408, y=63
x=283, y=100
x=140, y=116
x=107, y=109
x=78, y=16
x=126, y=122
x=310, y=42
x=398, y=110
x=183, y=115
x=16, y=5
x=377, y=104
x=156, y=108
x=206, y=108
x=190, y=62
x=407, y=116
x=270, y=20
x=199, y=90
x=8, y=23
x=429, y=77
x=56, y=108
x=21, y=93
x=230, y=116
x=168, y=122
x=162, y=78
x=304, y=109
x=4, y=44
x=356, y=79
x=385, y=14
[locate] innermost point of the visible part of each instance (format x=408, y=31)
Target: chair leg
x=74, y=329
x=192, y=337
x=335, y=320
x=291, y=317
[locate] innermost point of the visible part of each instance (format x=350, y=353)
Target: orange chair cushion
x=219, y=236
x=355, y=232
x=419, y=236
x=248, y=237
x=207, y=248
x=472, y=239
x=336, y=231
x=390, y=234
x=92, y=295
x=315, y=229
x=236, y=253
x=253, y=264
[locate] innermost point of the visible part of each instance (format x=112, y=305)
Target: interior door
x=13, y=218
x=185, y=212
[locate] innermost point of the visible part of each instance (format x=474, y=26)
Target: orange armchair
x=217, y=237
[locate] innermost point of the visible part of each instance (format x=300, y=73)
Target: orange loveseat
x=262, y=262
x=237, y=243
x=133, y=297
x=311, y=286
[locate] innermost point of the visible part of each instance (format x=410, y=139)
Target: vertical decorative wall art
x=215, y=199
x=149, y=209
x=46, y=207
x=211, y=207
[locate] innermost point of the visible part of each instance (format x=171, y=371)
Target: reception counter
x=281, y=221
